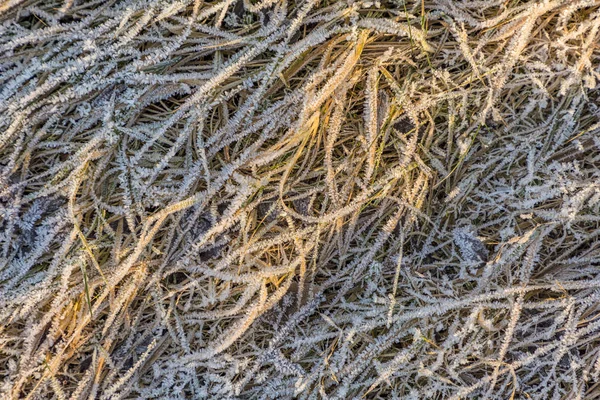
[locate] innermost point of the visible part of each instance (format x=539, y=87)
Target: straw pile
x=314, y=199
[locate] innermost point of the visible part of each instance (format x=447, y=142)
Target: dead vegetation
x=319, y=199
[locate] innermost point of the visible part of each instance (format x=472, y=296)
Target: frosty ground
x=313, y=199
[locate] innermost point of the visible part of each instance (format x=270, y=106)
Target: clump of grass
x=239, y=199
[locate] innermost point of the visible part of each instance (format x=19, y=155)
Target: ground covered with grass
x=312, y=199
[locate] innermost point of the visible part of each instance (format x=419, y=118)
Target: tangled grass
x=311, y=199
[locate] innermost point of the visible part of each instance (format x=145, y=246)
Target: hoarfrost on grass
x=274, y=199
